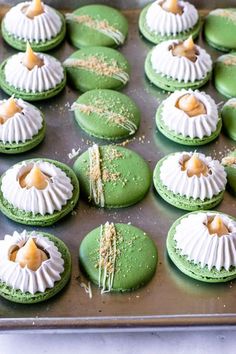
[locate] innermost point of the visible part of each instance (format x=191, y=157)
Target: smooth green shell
x=229, y=120
x=136, y=260
x=231, y=175
x=225, y=76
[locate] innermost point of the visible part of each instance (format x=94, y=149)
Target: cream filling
x=46, y=201
x=194, y=241
x=180, y=68
x=177, y=181
x=40, y=28
x=39, y=79
x=24, y=279
x=167, y=23
x=22, y=125
x=179, y=122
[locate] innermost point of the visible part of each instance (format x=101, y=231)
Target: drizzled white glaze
x=194, y=127
x=26, y=279
x=201, y=247
x=23, y=125
x=38, y=79
x=167, y=23
x=204, y=187
x=180, y=68
x=45, y=201
x=40, y=28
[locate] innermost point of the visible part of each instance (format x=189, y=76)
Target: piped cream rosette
x=167, y=23
x=23, y=278
x=204, y=185
x=40, y=28
x=178, y=120
x=47, y=190
x=179, y=67
x=25, y=122
x=194, y=240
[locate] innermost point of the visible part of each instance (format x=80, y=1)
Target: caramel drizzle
x=99, y=66
x=95, y=177
x=113, y=117
x=101, y=26
x=107, y=257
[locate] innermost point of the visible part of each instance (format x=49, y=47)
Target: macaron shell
x=194, y=270
x=81, y=35
x=41, y=46
x=85, y=80
x=132, y=184
x=231, y=175
x=28, y=218
x=225, y=77
x=219, y=31
x=182, y=202
x=27, y=298
x=135, y=264
x=229, y=120
x=157, y=38
x=98, y=124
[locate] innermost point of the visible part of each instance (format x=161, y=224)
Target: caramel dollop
x=195, y=166
x=31, y=59
x=185, y=49
x=191, y=105
x=29, y=255
x=35, y=178
x=217, y=226
x=172, y=6
x=8, y=109
x=34, y=9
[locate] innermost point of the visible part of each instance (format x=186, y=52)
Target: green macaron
x=112, y=176
x=219, y=29
x=132, y=257
x=156, y=37
x=229, y=163
x=167, y=83
x=229, y=118
x=107, y=114
x=27, y=298
x=179, y=201
x=191, y=269
x=37, y=46
x=28, y=218
x=96, y=25
x=225, y=74
x=97, y=68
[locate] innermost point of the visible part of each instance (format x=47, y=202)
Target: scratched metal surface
x=170, y=300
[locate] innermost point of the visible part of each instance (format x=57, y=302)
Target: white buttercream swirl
x=194, y=127
x=179, y=67
x=46, y=201
x=26, y=279
x=167, y=23
x=22, y=125
x=204, y=248
x=38, y=79
x=42, y=27
x=204, y=187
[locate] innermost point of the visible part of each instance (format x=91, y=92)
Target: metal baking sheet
x=171, y=299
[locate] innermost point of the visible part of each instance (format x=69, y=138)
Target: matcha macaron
x=34, y=266
x=118, y=257
x=112, y=176
x=34, y=22
x=176, y=64
x=219, y=29
x=97, y=68
x=190, y=181
x=38, y=192
x=189, y=118
x=225, y=74
x=229, y=163
x=96, y=25
x=228, y=114
x=107, y=114
x=202, y=245
x=171, y=19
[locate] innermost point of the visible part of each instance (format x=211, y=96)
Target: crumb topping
x=229, y=160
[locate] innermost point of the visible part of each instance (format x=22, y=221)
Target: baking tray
x=171, y=299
